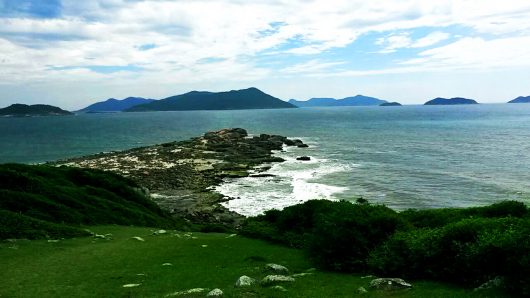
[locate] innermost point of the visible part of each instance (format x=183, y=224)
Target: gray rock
x=215, y=293
x=389, y=284
x=245, y=281
x=361, y=290
x=302, y=274
x=277, y=268
x=303, y=158
x=275, y=279
x=497, y=282
x=187, y=292
x=279, y=288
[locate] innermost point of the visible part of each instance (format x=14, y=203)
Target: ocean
x=404, y=157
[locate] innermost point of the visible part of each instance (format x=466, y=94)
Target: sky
x=71, y=53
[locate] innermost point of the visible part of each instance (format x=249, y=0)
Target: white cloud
x=431, y=39
x=393, y=42
x=310, y=66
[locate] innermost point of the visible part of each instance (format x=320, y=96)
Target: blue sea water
x=405, y=157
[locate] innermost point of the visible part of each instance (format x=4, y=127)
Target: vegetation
x=50, y=202
x=92, y=267
x=467, y=246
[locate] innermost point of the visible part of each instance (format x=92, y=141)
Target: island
x=450, y=101
x=357, y=100
x=251, y=98
x=521, y=99
x=23, y=110
x=115, y=105
x=390, y=104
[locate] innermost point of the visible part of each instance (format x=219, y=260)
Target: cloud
x=393, y=42
x=310, y=67
x=185, y=42
x=431, y=39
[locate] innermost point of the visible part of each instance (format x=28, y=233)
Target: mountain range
x=116, y=105
x=251, y=98
x=358, y=100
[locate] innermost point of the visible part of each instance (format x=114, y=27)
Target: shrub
x=337, y=235
x=431, y=218
x=470, y=252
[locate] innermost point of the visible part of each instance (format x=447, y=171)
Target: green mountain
x=32, y=110
x=251, y=98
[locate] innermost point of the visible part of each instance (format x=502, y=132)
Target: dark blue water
x=411, y=156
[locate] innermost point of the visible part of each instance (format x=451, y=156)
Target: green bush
x=337, y=235
x=344, y=236
x=469, y=252
x=431, y=218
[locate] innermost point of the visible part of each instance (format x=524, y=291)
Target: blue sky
x=71, y=53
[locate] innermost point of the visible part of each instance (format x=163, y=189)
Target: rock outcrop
x=179, y=176
x=389, y=284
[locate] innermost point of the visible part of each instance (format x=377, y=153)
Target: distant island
x=115, y=105
x=521, y=99
x=450, y=101
x=390, y=104
x=358, y=100
x=251, y=98
x=22, y=110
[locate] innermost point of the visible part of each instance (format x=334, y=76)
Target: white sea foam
x=294, y=182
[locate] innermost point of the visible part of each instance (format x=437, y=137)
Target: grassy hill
x=91, y=267
x=50, y=202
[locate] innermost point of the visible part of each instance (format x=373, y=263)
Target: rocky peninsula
x=180, y=176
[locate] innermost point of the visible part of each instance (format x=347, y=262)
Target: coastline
x=181, y=177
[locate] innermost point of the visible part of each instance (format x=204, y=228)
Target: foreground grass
x=89, y=267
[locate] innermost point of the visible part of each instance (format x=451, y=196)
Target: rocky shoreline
x=180, y=176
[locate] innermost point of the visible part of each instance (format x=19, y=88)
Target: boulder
x=215, y=293
x=497, y=282
x=302, y=146
x=302, y=274
x=131, y=285
x=275, y=279
x=279, y=269
x=361, y=290
x=389, y=284
x=303, y=158
x=245, y=281
x=279, y=288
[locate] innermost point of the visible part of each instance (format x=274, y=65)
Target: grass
x=90, y=267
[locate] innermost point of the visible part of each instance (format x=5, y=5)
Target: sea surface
x=404, y=157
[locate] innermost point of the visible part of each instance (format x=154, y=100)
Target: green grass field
x=90, y=267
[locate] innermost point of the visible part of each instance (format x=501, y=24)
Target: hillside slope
x=44, y=201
